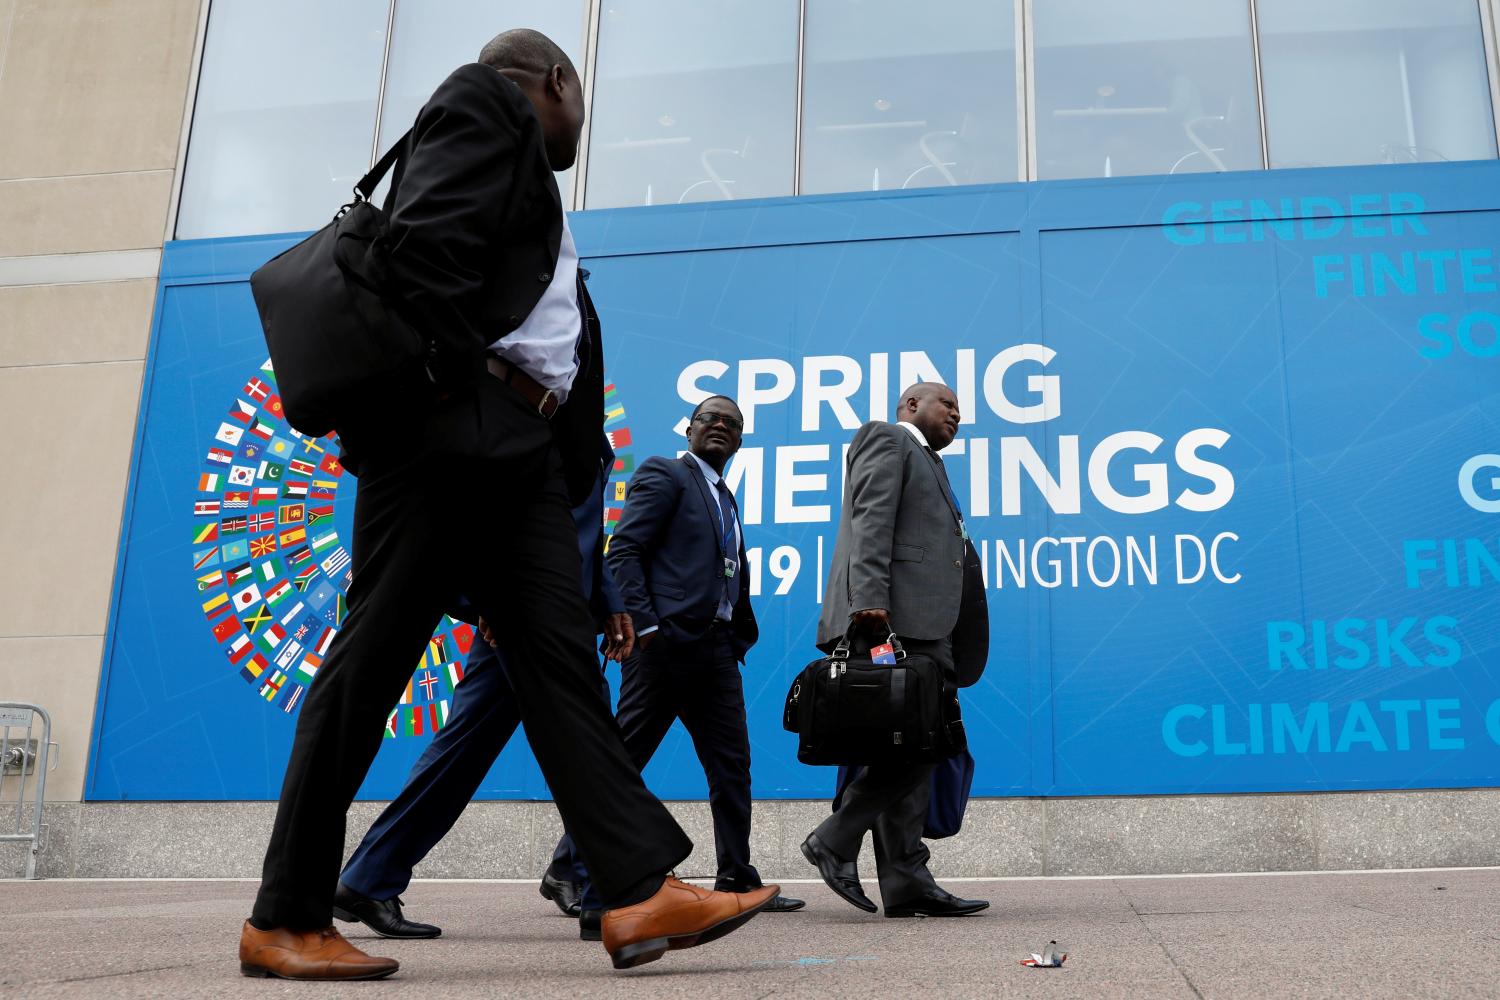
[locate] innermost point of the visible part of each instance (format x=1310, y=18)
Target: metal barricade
x=23, y=756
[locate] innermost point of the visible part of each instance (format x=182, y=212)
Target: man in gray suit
x=898, y=567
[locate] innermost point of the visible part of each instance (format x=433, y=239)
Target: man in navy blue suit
x=678, y=557
x=484, y=716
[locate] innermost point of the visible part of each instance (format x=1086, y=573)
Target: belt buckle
x=547, y=405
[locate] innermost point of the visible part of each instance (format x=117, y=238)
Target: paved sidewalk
x=1371, y=934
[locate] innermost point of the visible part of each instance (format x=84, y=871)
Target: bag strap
x=367, y=184
x=841, y=650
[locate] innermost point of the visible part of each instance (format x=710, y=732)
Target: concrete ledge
x=1001, y=837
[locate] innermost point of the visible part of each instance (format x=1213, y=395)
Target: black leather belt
x=545, y=400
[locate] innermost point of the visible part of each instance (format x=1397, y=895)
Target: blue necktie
x=731, y=550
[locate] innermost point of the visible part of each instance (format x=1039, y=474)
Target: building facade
x=1027, y=198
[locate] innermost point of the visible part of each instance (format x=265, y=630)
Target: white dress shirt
x=916, y=432
x=545, y=345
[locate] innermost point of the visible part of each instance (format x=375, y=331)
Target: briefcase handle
x=841, y=650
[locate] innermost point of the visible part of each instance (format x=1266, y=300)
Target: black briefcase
x=847, y=709
x=334, y=341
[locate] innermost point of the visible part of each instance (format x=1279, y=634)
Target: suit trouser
x=484, y=716
x=503, y=536
x=698, y=682
x=890, y=801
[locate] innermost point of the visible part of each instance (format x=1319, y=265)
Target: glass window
x=1147, y=87
x=1374, y=81
x=899, y=94
x=694, y=100
x=431, y=38
x=285, y=114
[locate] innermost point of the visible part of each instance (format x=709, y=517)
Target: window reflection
x=1151, y=87
x=1374, y=81
x=903, y=95
x=284, y=116
x=695, y=100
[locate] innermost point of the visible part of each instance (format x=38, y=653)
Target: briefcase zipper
x=836, y=670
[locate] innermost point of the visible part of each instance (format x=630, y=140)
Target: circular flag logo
x=272, y=572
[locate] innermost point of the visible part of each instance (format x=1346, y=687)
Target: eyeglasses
x=709, y=419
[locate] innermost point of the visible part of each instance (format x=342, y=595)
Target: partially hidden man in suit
x=898, y=566
x=480, y=260
x=485, y=715
x=678, y=556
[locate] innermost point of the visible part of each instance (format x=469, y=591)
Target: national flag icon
x=322, y=490
x=304, y=578
x=209, y=482
x=263, y=521
x=208, y=533
x=463, y=637
x=223, y=456
x=226, y=628
x=229, y=434
x=290, y=704
x=442, y=710
x=288, y=653
x=269, y=570
x=308, y=668
x=614, y=416
x=294, y=612
x=236, y=500
x=206, y=508
x=428, y=683
x=618, y=438
x=334, y=613
x=280, y=447
x=296, y=488
x=455, y=671
x=238, y=549
x=336, y=563
x=326, y=540
x=242, y=411
x=271, y=638
x=262, y=545
x=292, y=513
x=612, y=515
x=344, y=582
x=624, y=464
x=324, y=641
x=204, y=558
x=413, y=721
x=251, y=450
x=264, y=495
x=437, y=652
x=620, y=491
x=390, y=726
x=239, y=648
x=233, y=525
x=208, y=580
x=256, y=389
x=331, y=465
x=293, y=536
x=272, y=687
x=255, y=667
x=298, y=556
x=235, y=574
x=321, y=595
x=246, y=598
x=274, y=408
x=298, y=467
x=271, y=471
x=316, y=514
x=277, y=594
x=311, y=445
x=216, y=605
x=262, y=430
x=266, y=367
x=241, y=475
x=255, y=619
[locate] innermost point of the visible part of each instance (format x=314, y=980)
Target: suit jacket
x=666, y=559
x=900, y=544
x=476, y=224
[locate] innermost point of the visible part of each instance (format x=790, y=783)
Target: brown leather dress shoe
x=678, y=916
x=323, y=954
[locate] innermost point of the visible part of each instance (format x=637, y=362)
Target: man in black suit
x=898, y=567
x=678, y=557
x=480, y=260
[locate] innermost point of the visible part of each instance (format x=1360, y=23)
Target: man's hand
x=489, y=636
x=873, y=622
x=644, y=641
x=619, y=637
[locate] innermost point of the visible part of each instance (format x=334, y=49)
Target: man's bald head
x=547, y=77
x=933, y=408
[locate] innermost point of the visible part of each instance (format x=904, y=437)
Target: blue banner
x=1230, y=452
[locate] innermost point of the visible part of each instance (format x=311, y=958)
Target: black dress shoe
x=565, y=894
x=589, y=925
x=383, y=916
x=840, y=875
x=937, y=903
x=784, y=904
